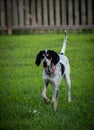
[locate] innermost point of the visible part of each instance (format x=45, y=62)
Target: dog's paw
x=46, y=100
x=52, y=101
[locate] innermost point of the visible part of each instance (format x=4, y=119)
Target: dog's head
x=47, y=57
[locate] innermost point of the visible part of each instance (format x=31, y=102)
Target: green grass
x=21, y=84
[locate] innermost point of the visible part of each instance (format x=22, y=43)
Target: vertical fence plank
x=45, y=13
x=15, y=15
x=27, y=13
x=33, y=13
x=89, y=12
x=57, y=8
x=83, y=12
x=39, y=13
x=51, y=12
x=21, y=13
x=9, y=17
x=70, y=12
x=2, y=13
x=76, y=8
x=64, y=14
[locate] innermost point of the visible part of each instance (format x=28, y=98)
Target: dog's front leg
x=46, y=100
x=55, y=97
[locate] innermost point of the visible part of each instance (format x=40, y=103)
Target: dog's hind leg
x=68, y=83
x=55, y=98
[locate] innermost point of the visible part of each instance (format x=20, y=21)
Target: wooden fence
x=46, y=14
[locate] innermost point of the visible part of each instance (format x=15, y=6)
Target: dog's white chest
x=54, y=78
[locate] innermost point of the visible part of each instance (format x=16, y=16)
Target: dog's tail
x=64, y=43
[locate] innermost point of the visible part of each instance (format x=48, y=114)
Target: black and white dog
x=56, y=66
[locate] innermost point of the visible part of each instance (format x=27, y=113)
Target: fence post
x=9, y=17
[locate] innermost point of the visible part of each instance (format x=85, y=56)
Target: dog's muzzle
x=45, y=63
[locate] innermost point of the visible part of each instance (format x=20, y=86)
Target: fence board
x=54, y=27
x=9, y=17
x=27, y=13
x=76, y=6
x=33, y=14
x=89, y=12
x=39, y=13
x=15, y=14
x=63, y=8
x=21, y=13
x=45, y=13
x=57, y=8
x=83, y=12
x=51, y=12
x=2, y=13
x=70, y=12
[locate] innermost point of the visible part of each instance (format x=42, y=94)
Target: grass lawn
x=21, y=104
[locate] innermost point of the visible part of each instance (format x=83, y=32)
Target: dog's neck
x=50, y=69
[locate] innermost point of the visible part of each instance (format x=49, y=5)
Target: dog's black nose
x=44, y=64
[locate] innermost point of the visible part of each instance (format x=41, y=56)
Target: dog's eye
x=48, y=56
x=43, y=56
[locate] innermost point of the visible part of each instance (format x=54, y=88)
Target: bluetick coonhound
x=56, y=66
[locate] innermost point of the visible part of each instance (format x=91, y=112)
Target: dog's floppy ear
x=38, y=58
x=55, y=57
